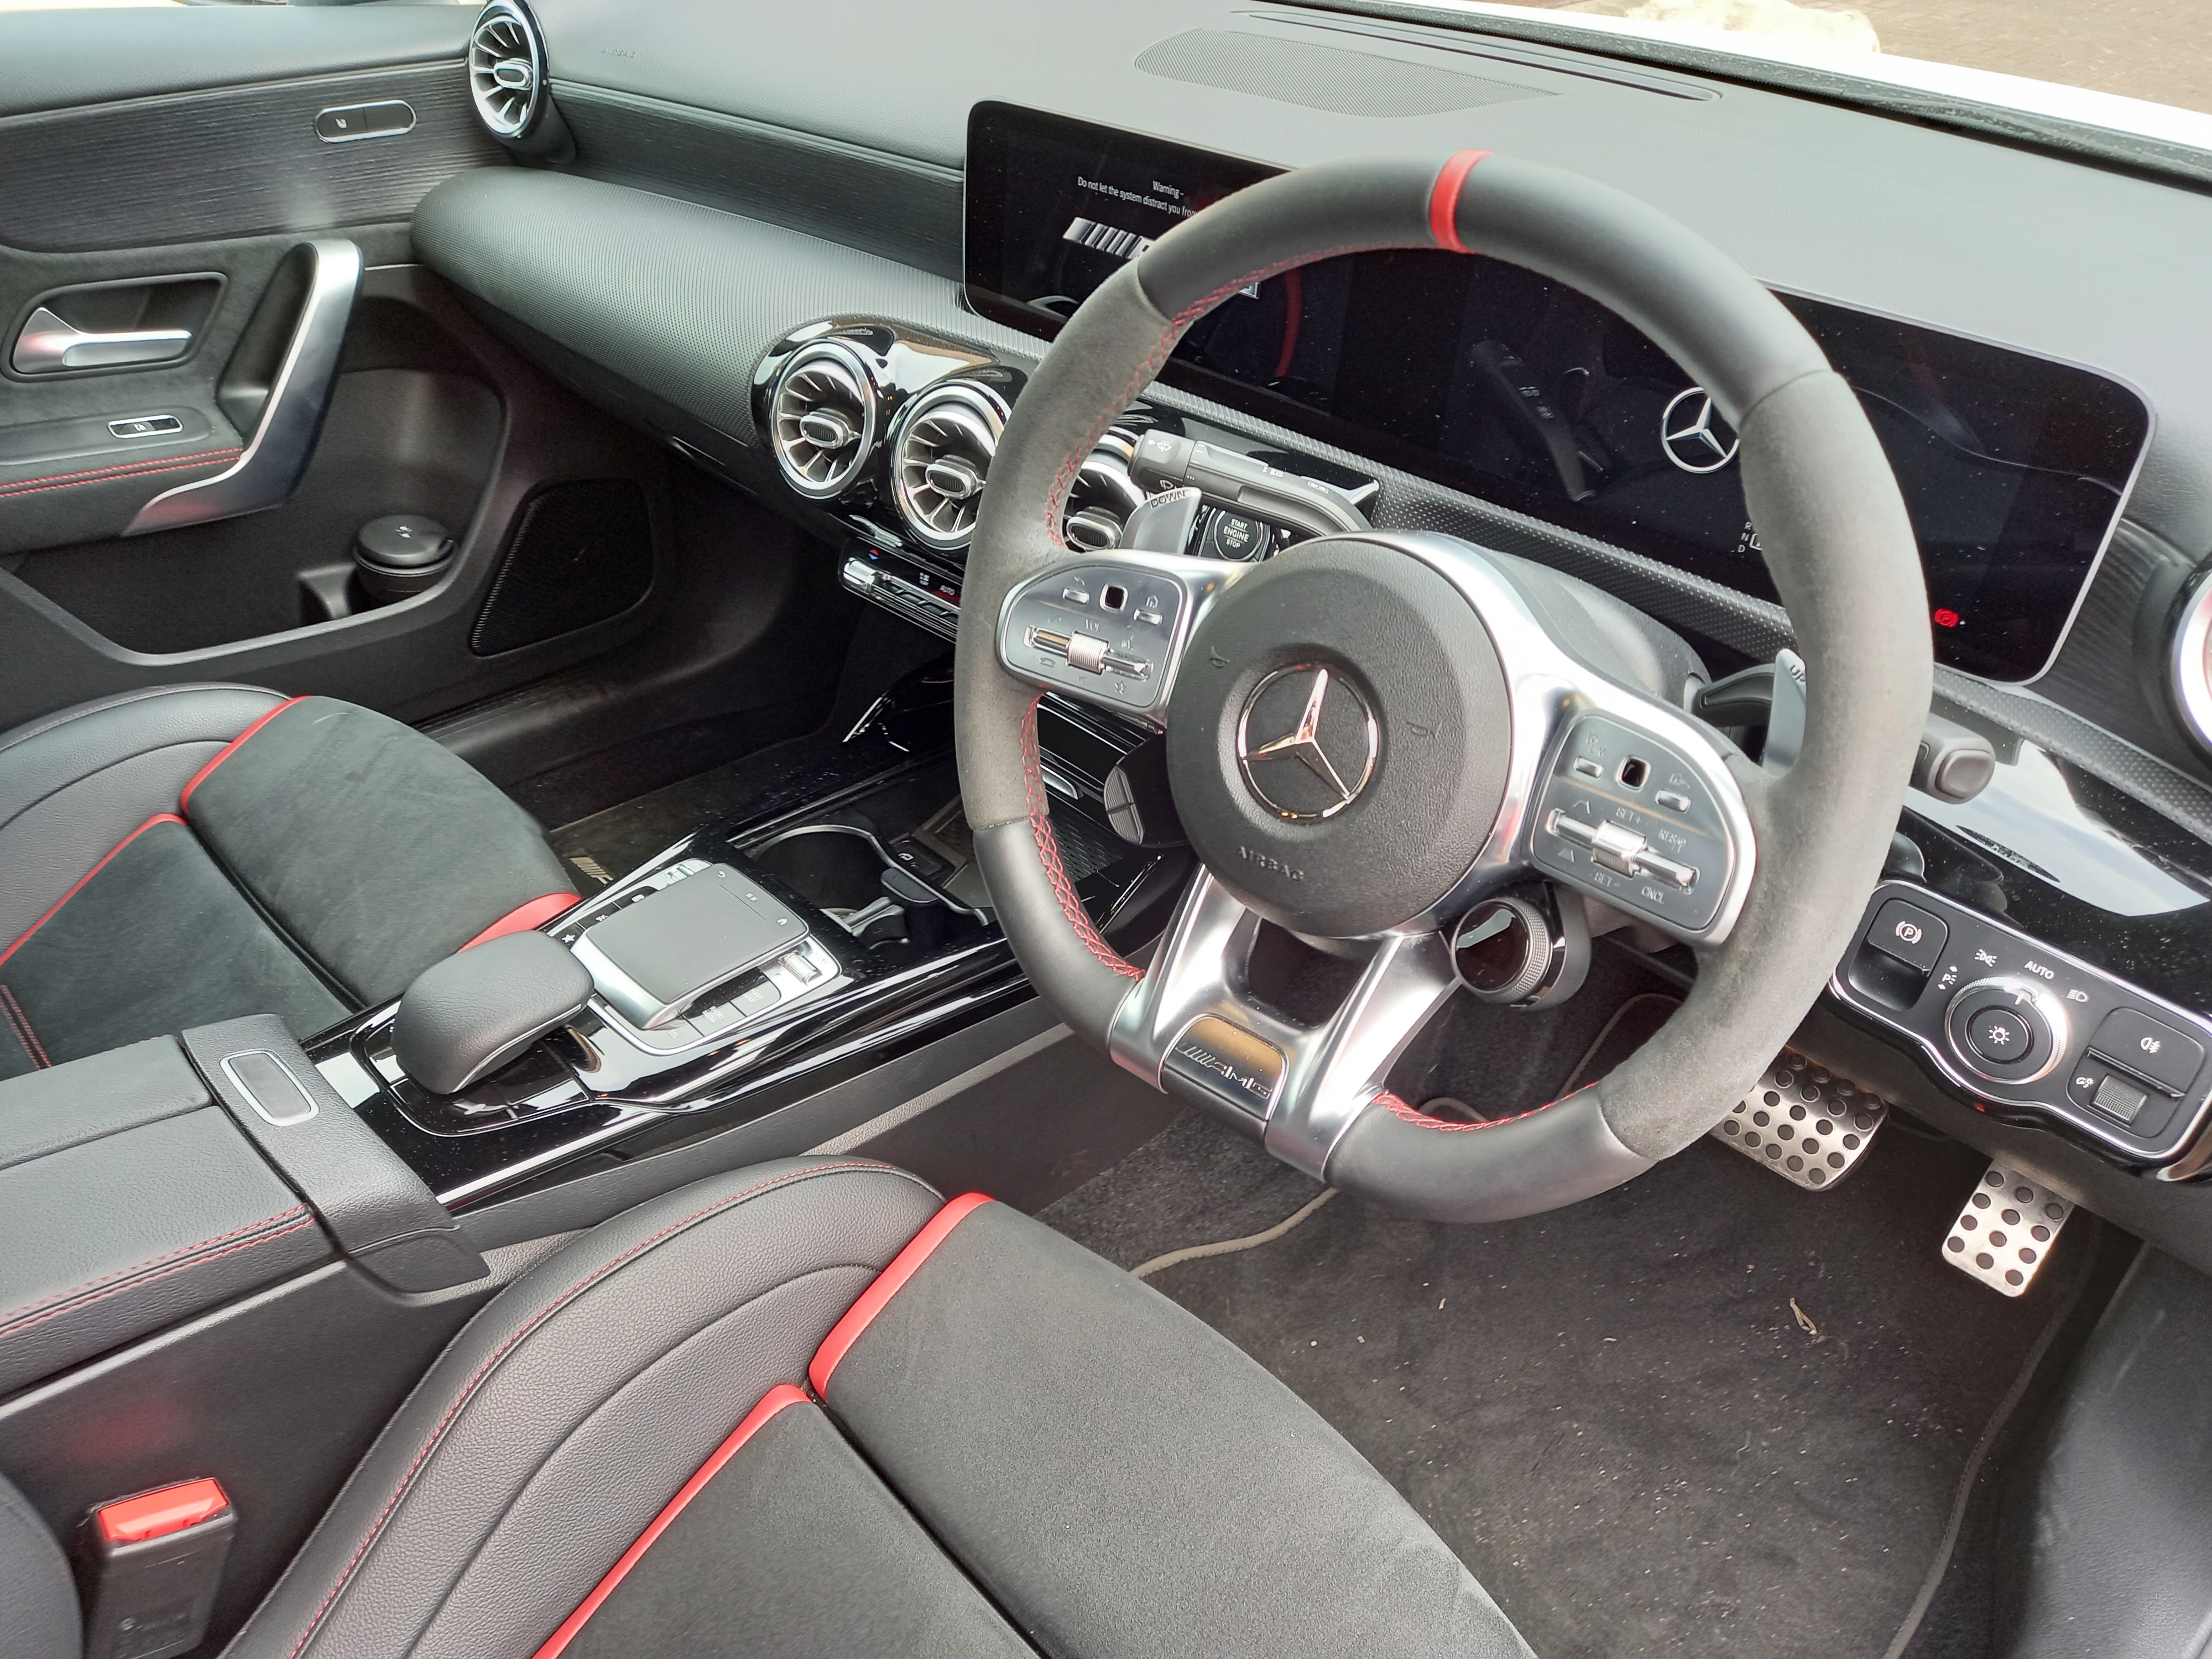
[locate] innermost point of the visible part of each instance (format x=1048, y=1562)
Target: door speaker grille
x=1322, y=77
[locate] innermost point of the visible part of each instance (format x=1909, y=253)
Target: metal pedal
x=1803, y=1124
x=2006, y=1230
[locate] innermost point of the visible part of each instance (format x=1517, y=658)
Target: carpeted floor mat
x=1705, y=1413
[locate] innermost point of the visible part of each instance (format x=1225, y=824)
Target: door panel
x=161, y=170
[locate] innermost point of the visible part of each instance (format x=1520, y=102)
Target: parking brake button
x=1909, y=934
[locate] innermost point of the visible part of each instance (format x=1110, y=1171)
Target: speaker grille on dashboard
x=1320, y=77
x=578, y=553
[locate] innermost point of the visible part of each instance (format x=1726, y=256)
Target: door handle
x=48, y=345
x=325, y=274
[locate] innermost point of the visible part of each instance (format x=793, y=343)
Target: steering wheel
x=1369, y=731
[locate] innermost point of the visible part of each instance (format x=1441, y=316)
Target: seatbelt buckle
x=150, y=1566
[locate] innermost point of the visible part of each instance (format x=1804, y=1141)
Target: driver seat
x=808, y=1408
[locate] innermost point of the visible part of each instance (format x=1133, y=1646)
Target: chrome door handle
x=283, y=441
x=48, y=345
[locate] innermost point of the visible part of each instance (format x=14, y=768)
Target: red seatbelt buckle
x=151, y=1563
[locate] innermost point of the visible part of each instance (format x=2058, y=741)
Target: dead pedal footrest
x=1803, y=1123
x=2006, y=1230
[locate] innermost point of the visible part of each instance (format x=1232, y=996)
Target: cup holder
x=846, y=874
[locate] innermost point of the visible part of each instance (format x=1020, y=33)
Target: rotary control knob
x=2008, y=1030
x=1503, y=949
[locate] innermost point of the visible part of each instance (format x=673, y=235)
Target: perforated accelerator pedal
x=2006, y=1230
x=1803, y=1123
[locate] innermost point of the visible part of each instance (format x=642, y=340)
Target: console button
x=2150, y=1048
x=1909, y=934
x=1999, y=1035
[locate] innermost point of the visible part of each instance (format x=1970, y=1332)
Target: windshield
x=2107, y=63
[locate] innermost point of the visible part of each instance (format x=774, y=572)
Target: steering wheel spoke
x=1110, y=628
x=1193, y=1027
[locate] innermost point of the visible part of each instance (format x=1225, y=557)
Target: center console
x=833, y=922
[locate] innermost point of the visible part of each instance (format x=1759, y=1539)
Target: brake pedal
x=2006, y=1230
x=1804, y=1124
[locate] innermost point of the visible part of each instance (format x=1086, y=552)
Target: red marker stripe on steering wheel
x=1444, y=200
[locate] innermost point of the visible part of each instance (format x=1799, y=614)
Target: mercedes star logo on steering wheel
x=1697, y=439
x=1326, y=748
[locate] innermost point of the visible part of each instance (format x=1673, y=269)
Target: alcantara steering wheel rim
x=1792, y=858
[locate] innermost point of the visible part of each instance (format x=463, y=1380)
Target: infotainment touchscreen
x=2014, y=468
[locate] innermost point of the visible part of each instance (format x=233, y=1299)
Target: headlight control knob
x=2008, y=1030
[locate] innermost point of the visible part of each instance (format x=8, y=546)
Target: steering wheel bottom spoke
x=1192, y=1026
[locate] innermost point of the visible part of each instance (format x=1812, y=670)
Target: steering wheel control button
x=1806, y=1125
x=1106, y=632
x=2006, y=1230
x=1596, y=826
x=1229, y=1064
x=2150, y=1048
x=2006, y=1030
x=1910, y=934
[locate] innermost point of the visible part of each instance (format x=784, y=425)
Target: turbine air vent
x=507, y=68
x=1103, y=496
x=822, y=418
x=941, y=455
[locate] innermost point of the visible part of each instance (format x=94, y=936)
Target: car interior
x=1341, y=827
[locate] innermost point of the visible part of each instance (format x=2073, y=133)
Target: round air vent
x=507, y=68
x=941, y=453
x=822, y=418
x=2189, y=664
x=1103, y=496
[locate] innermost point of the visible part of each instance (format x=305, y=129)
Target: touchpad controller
x=654, y=958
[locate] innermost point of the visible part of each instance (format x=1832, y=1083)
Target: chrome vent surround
x=2189, y=664
x=822, y=418
x=507, y=68
x=1103, y=496
x=941, y=451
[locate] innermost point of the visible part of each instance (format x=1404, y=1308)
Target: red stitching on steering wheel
x=1048, y=846
x=1398, y=1109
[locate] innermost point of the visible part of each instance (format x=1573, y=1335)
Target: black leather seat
x=807, y=1409
x=193, y=853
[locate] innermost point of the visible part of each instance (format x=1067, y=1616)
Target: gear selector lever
x=464, y=1017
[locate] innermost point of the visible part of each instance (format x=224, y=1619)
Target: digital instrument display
x=1486, y=377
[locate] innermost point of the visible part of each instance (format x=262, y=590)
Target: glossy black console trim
x=1979, y=946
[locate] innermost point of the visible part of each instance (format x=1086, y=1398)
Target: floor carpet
x=1705, y=1413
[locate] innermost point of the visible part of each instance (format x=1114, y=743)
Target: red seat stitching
x=158, y=818
x=70, y=1301
x=468, y=1389
x=21, y=1022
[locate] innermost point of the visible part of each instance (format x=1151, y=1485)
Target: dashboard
x=824, y=276
x=1483, y=375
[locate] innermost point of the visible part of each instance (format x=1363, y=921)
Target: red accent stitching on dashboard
x=1444, y=200
x=1048, y=846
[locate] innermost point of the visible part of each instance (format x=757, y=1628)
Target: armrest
x=129, y=1202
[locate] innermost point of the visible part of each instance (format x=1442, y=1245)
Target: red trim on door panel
x=887, y=1284
x=773, y=1401
x=1444, y=200
x=185, y=795
x=524, y=917
x=159, y=818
